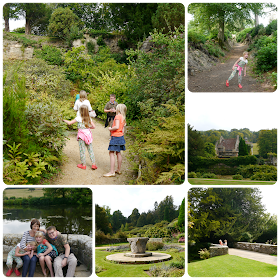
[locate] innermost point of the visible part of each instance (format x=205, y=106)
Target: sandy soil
x=214, y=79
x=72, y=175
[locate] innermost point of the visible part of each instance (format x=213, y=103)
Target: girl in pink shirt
x=117, y=142
x=84, y=136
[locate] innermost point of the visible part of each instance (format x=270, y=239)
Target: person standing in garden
x=84, y=136
x=117, y=142
x=110, y=109
x=82, y=100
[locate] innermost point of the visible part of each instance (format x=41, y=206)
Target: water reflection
x=72, y=220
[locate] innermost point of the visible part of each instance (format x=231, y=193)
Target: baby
x=15, y=255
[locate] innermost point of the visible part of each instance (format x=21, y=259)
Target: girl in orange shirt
x=117, y=142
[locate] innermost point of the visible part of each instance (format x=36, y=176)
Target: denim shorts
x=117, y=144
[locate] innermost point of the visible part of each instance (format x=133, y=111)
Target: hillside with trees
x=38, y=93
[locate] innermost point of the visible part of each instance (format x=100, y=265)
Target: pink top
x=85, y=135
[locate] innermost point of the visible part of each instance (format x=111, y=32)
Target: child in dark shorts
x=46, y=253
x=117, y=142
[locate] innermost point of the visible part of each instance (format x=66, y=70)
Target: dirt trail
x=72, y=175
x=214, y=79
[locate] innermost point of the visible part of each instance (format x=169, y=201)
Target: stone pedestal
x=138, y=247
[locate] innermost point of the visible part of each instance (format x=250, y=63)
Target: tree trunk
x=256, y=19
x=7, y=26
x=27, y=27
x=221, y=34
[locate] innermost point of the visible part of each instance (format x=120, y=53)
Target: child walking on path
x=117, y=142
x=84, y=136
x=238, y=66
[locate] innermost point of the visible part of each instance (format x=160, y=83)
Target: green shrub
x=214, y=49
x=19, y=30
x=249, y=170
x=178, y=262
x=237, y=177
x=204, y=254
x=91, y=47
x=209, y=175
x=246, y=237
x=271, y=27
x=241, y=36
x=195, y=37
x=50, y=54
x=259, y=176
x=100, y=42
x=154, y=246
x=101, y=237
x=267, y=57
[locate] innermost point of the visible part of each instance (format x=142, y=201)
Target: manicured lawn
x=111, y=269
x=111, y=244
x=23, y=193
x=201, y=181
x=231, y=266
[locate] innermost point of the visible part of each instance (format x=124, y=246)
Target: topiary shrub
x=237, y=177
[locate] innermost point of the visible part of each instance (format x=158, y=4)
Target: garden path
x=72, y=175
x=214, y=79
x=253, y=256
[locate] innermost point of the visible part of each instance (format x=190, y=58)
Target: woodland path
x=214, y=79
x=72, y=175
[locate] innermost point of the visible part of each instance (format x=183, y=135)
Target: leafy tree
x=101, y=219
x=169, y=15
x=134, y=216
x=61, y=22
x=134, y=18
x=267, y=142
x=190, y=218
x=225, y=213
x=117, y=220
x=34, y=14
x=142, y=220
x=10, y=11
x=195, y=143
x=209, y=150
x=166, y=216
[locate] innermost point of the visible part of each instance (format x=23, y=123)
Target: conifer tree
x=181, y=218
x=243, y=151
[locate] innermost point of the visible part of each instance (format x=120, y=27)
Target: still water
x=71, y=220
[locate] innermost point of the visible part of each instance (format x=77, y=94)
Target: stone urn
x=138, y=247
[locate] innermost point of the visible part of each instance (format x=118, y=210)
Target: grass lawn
x=111, y=244
x=23, y=193
x=111, y=269
x=231, y=266
x=202, y=181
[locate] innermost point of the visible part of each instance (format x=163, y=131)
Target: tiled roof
x=229, y=144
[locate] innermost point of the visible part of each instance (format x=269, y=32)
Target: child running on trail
x=84, y=136
x=117, y=142
x=238, y=66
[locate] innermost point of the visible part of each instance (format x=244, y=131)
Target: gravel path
x=214, y=79
x=72, y=175
x=253, y=256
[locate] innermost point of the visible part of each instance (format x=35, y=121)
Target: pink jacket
x=239, y=68
x=85, y=135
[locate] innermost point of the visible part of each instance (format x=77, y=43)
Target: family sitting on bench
x=47, y=246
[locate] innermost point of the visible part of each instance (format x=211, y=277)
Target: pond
x=71, y=220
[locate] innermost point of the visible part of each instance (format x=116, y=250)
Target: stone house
x=226, y=148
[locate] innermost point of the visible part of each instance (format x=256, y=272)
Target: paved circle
x=156, y=257
x=253, y=256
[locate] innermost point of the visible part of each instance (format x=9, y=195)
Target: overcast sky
x=265, y=19
x=143, y=198
x=256, y=111
x=270, y=199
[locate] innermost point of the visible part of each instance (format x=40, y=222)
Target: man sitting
x=64, y=256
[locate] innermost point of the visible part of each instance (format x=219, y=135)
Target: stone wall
x=257, y=247
x=217, y=250
x=155, y=240
x=81, y=246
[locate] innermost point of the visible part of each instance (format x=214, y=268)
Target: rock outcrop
x=15, y=50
